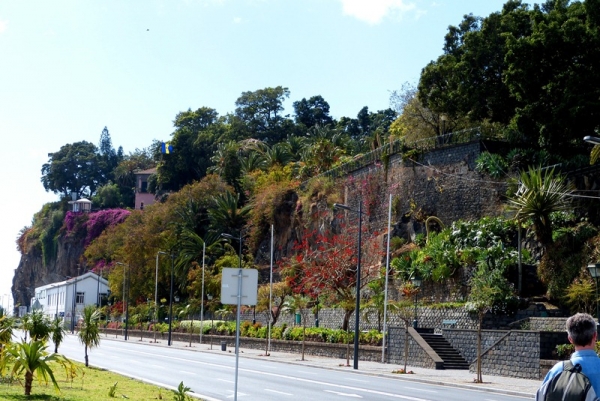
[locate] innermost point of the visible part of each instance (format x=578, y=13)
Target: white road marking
x=343, y=394
x=420, y=389
x=226, y=381
x=277, y=392
x=189, y=373
x=340, y=386
x=356, y=380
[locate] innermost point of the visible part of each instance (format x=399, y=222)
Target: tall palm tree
x=31, y=358
x=225, y=215
x=89, y=335
x=540, y=193
x=57, y=332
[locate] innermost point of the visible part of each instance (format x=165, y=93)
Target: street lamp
x=74, y=302
x=592, y=139
x=357, y=307
x=416, y=282
x=171, y=299
x=594, y=269
x=125, y=298
x=156, y=293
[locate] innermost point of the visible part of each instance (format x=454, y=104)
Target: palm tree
x=6, y=330
x=89, y=335
x=225, y=215
x=298, y=304
x=39, y=326
x=540, y=193
x=188, y=311
x=31, y=358
x=57, y=332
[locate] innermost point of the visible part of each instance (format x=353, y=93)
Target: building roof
x=146, y=172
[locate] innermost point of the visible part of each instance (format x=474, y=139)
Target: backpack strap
x=569, y=367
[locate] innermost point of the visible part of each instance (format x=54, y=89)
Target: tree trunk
x=191, y=330
x=28, y=382
x=86, y=356
x=303, y=335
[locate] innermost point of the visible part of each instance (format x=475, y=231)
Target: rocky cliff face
x=32, y=273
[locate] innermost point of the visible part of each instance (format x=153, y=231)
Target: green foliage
x=29, y=359
x=540, y=193
x=580, y=295
x=492, y=164
x=38, y=325
x=89, y=332
x=57, y=332
x=181, y=393
x=112, y=390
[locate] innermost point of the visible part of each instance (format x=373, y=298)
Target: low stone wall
x=365, y=352
x=417, y=356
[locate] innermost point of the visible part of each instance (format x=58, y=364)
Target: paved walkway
x=456, y=378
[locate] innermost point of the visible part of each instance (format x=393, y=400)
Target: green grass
x=88, y=384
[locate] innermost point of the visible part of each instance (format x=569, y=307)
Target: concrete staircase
x=452, y=359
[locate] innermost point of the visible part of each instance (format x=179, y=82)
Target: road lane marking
x=189, y=373
x=226, y=381
x=277, y=392
x=420, y=389
x=356, y=380
x=343, y=394
x=339, y=386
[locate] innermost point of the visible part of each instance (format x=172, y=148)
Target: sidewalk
x=455, y=378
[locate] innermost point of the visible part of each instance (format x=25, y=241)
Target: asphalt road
x=211, y=376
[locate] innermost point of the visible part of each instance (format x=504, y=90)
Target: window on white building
x=80, y=297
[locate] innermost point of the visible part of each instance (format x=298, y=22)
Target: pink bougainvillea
x=91, y=225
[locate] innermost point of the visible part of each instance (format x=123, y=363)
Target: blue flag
x=166, y=148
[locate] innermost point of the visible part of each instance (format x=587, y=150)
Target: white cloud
x=373, y=11
x=3, y=26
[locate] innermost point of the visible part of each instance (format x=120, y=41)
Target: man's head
x=581, y=329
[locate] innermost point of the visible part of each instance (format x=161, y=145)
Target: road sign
x=229, y=286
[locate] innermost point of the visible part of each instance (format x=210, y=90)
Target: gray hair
x=581, y=328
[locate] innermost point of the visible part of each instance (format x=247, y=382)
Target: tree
x=311, y=112
x=195, y=139
x=38, y=325
x=489, y=289
x=540, y=193
x=57, y=333
x=188, y=311
x=89, y=334
x=6, y=329
x=298, y=304
x=377, y=301
x=260, y=111
x=326, y=263
x=31, y=358
x=74, y=168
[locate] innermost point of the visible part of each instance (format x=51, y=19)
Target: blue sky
x=69, y=68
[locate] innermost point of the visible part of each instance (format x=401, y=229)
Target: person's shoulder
x=556, y=369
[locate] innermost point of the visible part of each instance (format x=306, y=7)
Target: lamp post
x=592, y=139
x=125, y=297
x=416, y=281
x=237, y=320
x=594, y=269
x=357, y=307
x=74, y=303
x=156, y=294
x=202, y=292
x=317, y=314
x=171, y=299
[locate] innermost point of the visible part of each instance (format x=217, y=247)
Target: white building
x=67, y=298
